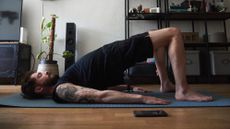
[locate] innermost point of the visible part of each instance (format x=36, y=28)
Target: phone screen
x=150, y=113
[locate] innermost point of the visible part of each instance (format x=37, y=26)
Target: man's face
x=45, y=78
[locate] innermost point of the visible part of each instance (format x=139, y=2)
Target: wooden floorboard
x=116, y=118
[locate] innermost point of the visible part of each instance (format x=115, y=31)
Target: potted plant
x=47, y=38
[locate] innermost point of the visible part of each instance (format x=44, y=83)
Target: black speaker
x=70, y=43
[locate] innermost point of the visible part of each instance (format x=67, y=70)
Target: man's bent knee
x=174, y=30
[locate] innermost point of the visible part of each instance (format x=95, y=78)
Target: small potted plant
x=47, y=38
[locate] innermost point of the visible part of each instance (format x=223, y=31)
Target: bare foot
x=154, y=100
x=192, y=96
x=167, y=86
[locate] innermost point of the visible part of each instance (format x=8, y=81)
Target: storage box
x=220, y=62
x=192, y=63
x=217, y=37
x=191, y=37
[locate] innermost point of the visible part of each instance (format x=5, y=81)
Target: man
x=88, y=79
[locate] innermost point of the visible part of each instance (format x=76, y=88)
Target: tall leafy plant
x=48, y=38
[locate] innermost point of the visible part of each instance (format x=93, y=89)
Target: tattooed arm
x=77, y=94
x=74, y=93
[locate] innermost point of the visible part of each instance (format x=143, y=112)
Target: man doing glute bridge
x=89, y=79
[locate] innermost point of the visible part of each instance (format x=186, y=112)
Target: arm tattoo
x=67, y=93
x=71, y=93
x=87, y=96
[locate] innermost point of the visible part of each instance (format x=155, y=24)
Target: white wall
x=98, y=22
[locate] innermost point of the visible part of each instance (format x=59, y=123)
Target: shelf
x=205, y=44
x=195, y=44
x=166, y=17
x=179, y=16
x=145, y=16
x=198, y=16
x=219, y=44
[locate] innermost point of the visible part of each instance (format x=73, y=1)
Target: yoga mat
x=16, y=100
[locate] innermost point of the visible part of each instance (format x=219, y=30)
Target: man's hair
x=28, y=85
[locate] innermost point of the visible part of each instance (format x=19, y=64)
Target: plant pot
x=49, y=66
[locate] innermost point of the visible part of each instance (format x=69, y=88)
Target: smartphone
x=150, y=113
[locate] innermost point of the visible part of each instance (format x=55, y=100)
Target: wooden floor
x=116, y=118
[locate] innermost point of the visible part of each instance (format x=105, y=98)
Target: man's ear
x=38, y=89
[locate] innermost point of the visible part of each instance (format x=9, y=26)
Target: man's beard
x=51, y=81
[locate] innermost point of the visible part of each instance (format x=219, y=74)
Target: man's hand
x=139, y=89
x=154, y=100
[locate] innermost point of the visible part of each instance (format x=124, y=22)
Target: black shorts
x=127, y=53
x=120, y=55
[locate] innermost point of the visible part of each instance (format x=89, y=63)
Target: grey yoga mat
x=16, y=100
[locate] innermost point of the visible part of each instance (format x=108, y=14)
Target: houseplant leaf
x=39, y=55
